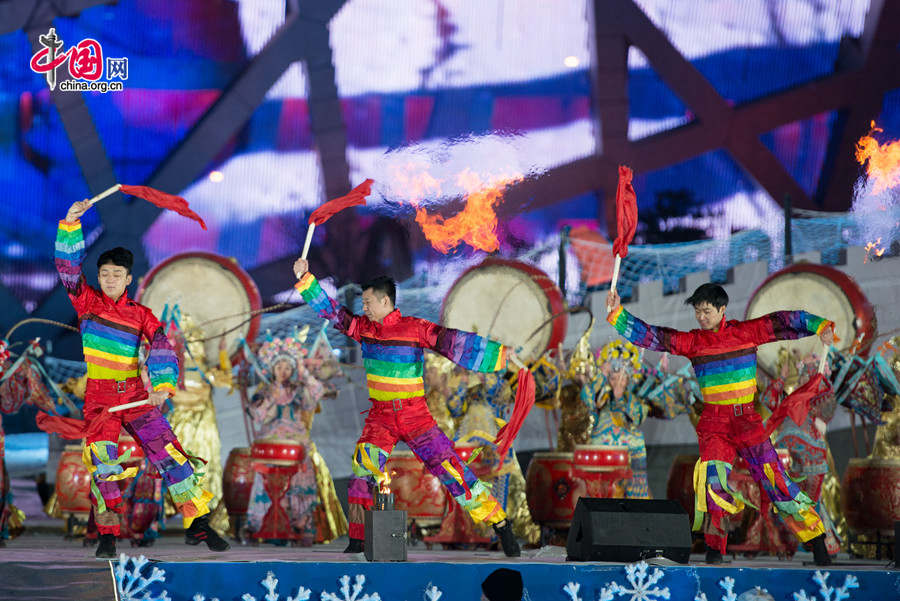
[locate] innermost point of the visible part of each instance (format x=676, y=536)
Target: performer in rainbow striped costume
x=112, y=328
x=723, y=354
x=392, y=350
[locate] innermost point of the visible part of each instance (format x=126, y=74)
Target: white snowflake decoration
x=821, y=578
x=132, y=585
x=270, y=583
x=727, y=585
x=572, y=588
x=433, y=593
x=643, y=585
x=345, y=590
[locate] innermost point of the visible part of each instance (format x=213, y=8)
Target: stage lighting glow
x=571, y=62
x=216, y=176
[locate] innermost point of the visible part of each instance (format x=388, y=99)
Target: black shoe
x=201, y=532
x=356, y=545
x=820, y=552
x=508, y=540
x=713, y=556
x=106, y=548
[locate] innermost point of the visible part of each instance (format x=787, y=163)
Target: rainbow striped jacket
x=724, y=359
x=111, y=331
x=393, y=351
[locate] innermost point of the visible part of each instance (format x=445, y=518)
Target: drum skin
x=415, y=489
x=237, y=481
x=870, y=494
x=508, y=301
x=818, y=289
x=73, y=482
x=207, y=287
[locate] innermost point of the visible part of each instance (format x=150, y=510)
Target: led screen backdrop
x=408, y=72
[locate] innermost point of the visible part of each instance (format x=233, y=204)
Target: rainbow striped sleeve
x=162, y=365
x=69, y=254
x=655, y=338
x=466, y=349
x=309, y=288
x=790, y=325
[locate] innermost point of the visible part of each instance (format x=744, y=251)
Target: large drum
x=237, y=481
x=509, y=301
x=870, y=495
x=552, y=489
x=821, y=290
x=415, y=489
x=218, y=295
x=73, y=483
x=129, y=444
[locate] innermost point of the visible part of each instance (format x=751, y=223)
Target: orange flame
x=475, y=224
x=883, y=160
x=873, y=247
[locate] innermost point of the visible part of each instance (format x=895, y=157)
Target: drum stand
x=276, y=524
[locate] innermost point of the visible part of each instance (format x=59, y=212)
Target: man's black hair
x=713, y=294
x=119, y=256
x=383, y=285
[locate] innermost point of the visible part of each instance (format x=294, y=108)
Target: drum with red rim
x=819, y=289
x=552, y=489
x=214, y=291
x=416, y=491
x=73, y=482
x=237, y=481
x=127, y=443
x=275, y=451
x=601, y=458
x=509, y=301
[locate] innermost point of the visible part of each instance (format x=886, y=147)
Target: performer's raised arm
x=339, y=316
x=789, y=325
x=636, y=331
x=466, y=349
x=69, y=253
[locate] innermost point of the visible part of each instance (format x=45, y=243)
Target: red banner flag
x=523, y=404
x=357, y=196
x=798, y=404
x=164, y=201
x=626, y=212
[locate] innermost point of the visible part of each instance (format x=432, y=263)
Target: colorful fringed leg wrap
x=101, y=457
x=715, y=498
x=793, y=505
x=368, y=468
x=474, y=496
x=177, y=468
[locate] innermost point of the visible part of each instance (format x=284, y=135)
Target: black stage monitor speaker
x=629, y=530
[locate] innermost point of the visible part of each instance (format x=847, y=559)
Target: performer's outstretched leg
x=175, y=466
x=794, y=506
x=440, y=458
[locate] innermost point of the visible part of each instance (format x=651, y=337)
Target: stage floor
x=43, y=566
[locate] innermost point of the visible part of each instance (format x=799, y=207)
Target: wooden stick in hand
x=309, y=235
x=125, y=406
x=615, y=278
x=105, y=193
